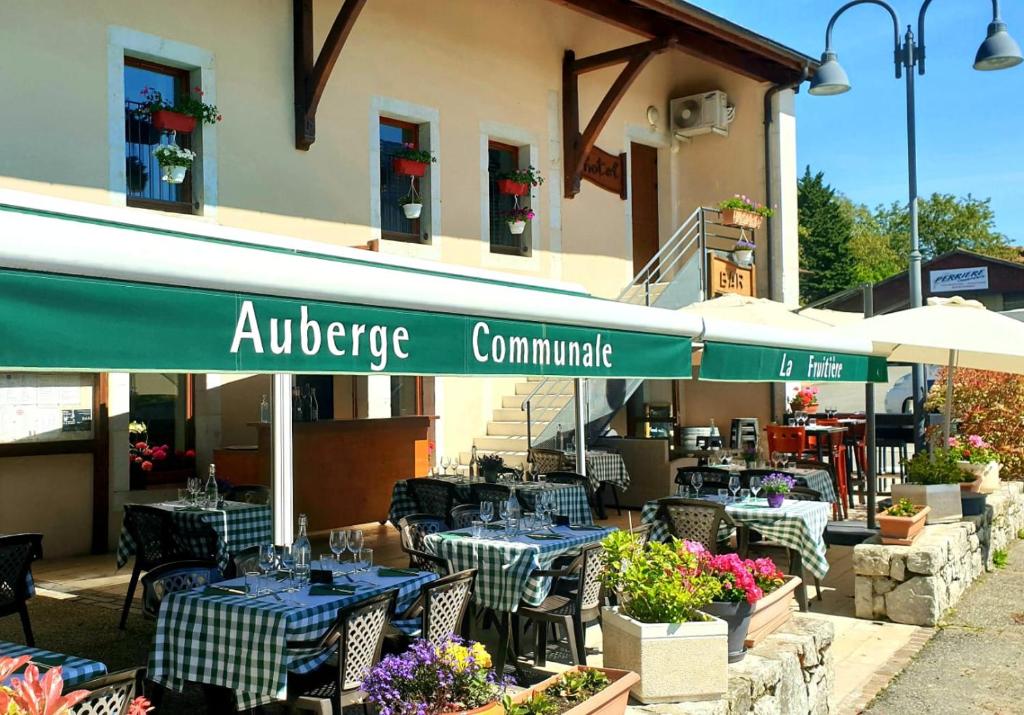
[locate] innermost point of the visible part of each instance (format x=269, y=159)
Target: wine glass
x=193, y=486
x=486, y=512
x=288, y=563
x=697, y=481
x=267, y=559
x=446, y=462
x=503, y=514
x=355, y=542
x=338, y=543
x=457, y=464
x=734, y=485
x=755, y=486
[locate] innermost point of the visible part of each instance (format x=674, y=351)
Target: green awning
x=756, y=363
x=64, y=322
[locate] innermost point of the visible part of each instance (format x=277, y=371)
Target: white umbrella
x=952, y=331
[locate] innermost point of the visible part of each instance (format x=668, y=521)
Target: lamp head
x=999, y=50
x=830, y=78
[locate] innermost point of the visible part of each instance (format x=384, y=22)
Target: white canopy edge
x=72, y=246
x=731, y=331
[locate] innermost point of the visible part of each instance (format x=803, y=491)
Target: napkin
x=394, y=573
x=321, y=589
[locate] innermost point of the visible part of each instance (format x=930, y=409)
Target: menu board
x=45, y=407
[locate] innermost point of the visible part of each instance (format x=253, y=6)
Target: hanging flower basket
x=512, y=188
x=408, y=167
x=169, y=121
x=742, y=219
x=173, y=174
x=412, y=211
x=174, y=162
x=743, y=256
x=516, y=227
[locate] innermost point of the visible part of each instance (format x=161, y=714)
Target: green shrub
x=938, y=466
x=1000, y=557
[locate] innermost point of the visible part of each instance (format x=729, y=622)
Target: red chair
x=790, y=440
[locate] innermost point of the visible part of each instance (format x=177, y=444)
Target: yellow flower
x=481, y=656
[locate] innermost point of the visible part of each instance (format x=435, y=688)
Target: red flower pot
x=512, y=188
x=173, y=121
x=408, y=167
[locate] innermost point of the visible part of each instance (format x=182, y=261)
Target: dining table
x=820, y=480
x=221, y=635
x=74, y=670
x=239, y=526
x=826, y=438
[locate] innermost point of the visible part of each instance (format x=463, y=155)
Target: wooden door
x=644, y=195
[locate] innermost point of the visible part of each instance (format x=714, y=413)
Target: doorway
x=643, y=191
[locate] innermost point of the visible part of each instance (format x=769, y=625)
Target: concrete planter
x=944, y=500
x=675, y=661
x=772, y=611
x=902, y=530
x=610, y=701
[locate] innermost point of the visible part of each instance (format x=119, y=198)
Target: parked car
x=898, y=400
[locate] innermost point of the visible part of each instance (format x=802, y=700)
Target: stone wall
x=918, y=584
x=789, y=673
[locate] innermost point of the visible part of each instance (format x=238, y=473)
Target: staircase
x=675, y=277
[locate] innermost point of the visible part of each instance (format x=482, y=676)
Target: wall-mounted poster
x=44, y=407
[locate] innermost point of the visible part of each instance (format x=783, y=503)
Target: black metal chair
x=249, y=494
x=441, y=608
x=495, y=493
x=714, y=478
x=110, y=694
x=693, y=520
x=356, y=637
x=174, y=577
x=17, y=552
x=245, y=561
x=464, y=515
x=413, y=529
x=573, y=611
x=433, y=496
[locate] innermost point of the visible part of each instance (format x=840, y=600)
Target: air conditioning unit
x=701, y=114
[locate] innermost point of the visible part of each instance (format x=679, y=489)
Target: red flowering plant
x=973, y=449
x=34, y=695
x=739, y=579
x=147, y=457
x=188, y=103
x=804, y=398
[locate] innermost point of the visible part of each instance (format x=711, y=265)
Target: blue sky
x=969, y=123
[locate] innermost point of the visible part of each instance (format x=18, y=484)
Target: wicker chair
x=413, y=529
x=245, y=561
x=545, y=461
x=573, y=611
x=174, y=577
x=693, y=520
x=433, y=496
x=713, y=477
x=110, y=694
x=463, y=515
x=249, y=494
x=643, y=531
x=440, y=608
x=17, y=552
x=357, y=637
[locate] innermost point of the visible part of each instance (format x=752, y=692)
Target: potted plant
x=136, y=175
x=776, y=603
x=174, y=162
x=517, y=219
x=738, y=594
x=750, y=455
x=410, y=161
x=976, y=458
x=743, y=212
x=489, y=465
x=902, y=522
x=743, y=251
x=30, y=694
x=518, y=181
x=577, y=691
x=455, y=677
x=182, y=114
x=805, y=400
x=411, y=205
x=775, y=487
x=932, y=479
x=658, y=625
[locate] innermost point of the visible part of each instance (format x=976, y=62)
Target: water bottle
x=211, y=487
x=314, y=406
x=264, y=410
x=302, y=550
x=513, y=511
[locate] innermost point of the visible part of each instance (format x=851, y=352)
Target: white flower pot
x=173, y=174
x=412, y=211
x=659, y=654
x=516, y=227
x=986, y=472
x=743, y=256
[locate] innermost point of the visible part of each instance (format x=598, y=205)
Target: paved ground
x=973, y=663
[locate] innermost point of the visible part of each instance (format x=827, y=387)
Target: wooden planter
x=512, y=188
x=902, y=530
x=610, y=701
x=408, y=167
x=742, y=219
x=173, y=121
x=772, y=611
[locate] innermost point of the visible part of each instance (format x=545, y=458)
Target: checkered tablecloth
x=73, y=669
x=505, y=567
x=238, y=526
x=798, y=525
x=817, y=479
x=605, y=467
x=570, y=499
x=240, y=642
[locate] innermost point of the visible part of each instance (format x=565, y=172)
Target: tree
x=874, y=256
x=825, y=233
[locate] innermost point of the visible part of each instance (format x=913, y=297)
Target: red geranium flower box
x=173, y=121
x=408, y=167
x=513, y=188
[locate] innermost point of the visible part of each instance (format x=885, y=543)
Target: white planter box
x=675, y=661
x=944, y=499
x=987, y=472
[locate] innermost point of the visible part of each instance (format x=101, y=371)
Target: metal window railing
x=143, y=183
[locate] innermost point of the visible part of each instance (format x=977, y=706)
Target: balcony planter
x=740, y=218
x=516, y=227
x=610, y=701
x=512, y=188
x=737, y=616
x=408, y=167
x=412, y=211
x=986, y=473
x=772, y=611
x=901, y=530
x=944, y=500
x=167, y=120
x=658, y=654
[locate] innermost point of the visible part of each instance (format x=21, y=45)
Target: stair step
x=512, y=443
x=554, y=387
x=539, y=402
x=635, y=295
x=512, y=458
x=510, y=429
x=514, y=414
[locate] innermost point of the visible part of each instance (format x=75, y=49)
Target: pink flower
x=976, y=441
x=952, y=441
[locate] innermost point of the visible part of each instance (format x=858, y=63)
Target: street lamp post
x=998, y=51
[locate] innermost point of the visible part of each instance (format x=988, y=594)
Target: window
x=161, y=407
x=394, y=225
x=406, y=395
x=501, y=158
x=144, y=186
